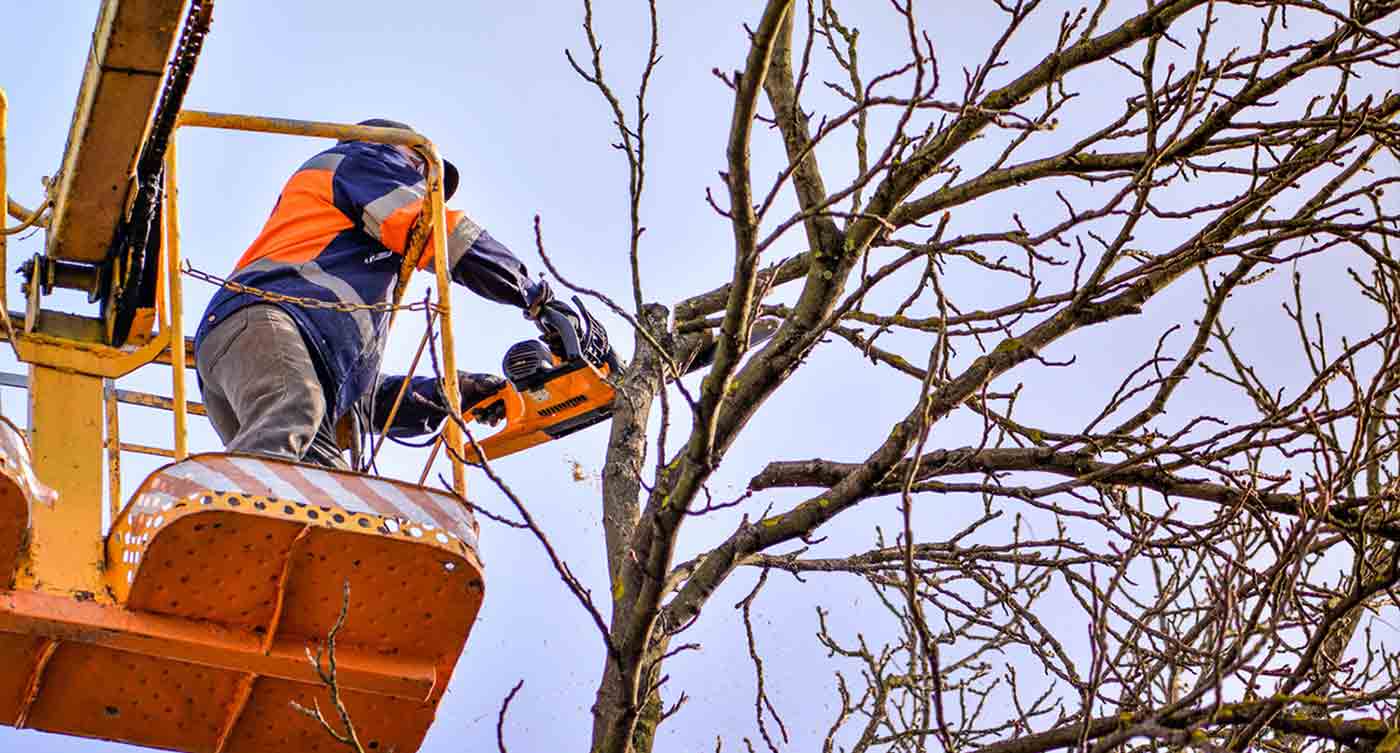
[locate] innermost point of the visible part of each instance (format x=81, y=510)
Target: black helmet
x=449, y=177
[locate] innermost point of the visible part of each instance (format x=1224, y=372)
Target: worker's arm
x=422, y=409
x=384, y=194
x=420, y=412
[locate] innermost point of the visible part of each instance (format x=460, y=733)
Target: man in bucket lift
x=278, y=377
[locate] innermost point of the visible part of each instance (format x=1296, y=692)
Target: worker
x=279, y=375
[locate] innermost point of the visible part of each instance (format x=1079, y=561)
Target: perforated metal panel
x=233, y=521
x=218, y=574
x=18, y=489
x=19, y=654
x=98, y=692
x=14, y=526
x=403, y=596
x=269, y=723
x=215, y=565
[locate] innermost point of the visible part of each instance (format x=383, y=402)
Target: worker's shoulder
x=350, y=158
x=332, y=158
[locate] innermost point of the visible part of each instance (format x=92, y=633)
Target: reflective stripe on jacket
x=337, y=234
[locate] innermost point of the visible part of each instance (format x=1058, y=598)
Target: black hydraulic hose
x=129, y=285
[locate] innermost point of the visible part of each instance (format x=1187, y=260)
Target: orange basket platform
x=219, y=574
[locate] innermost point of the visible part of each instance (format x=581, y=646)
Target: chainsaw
x=557, y=389
x=550, y=392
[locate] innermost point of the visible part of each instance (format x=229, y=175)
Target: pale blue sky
x=489, y=83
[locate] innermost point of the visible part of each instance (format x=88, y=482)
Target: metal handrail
x=129, y=397
x=340, y=132
x=170, y=345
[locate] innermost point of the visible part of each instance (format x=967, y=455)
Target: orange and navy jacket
x=337, y=234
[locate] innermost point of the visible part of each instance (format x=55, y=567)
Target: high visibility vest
x=337, y=234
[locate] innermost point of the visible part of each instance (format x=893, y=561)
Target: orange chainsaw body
x=558, y=404
x=559, y=384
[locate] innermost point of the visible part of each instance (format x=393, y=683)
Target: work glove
x=550, y=314
x=537, y=296
x=557, y=314
x=478, y=387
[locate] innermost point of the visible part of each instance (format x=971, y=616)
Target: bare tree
x=1222, y=531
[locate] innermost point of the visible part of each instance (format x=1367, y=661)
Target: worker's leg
x=216, y=406
x=257, y=368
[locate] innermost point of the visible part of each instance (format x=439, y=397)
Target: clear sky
x=488, y=82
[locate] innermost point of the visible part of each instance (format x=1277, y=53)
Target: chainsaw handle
x=553, y=320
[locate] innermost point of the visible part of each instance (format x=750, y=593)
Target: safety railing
x=113, y=397
x=437, y=242
x=169, y=344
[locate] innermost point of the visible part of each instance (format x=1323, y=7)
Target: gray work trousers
x=261, y=390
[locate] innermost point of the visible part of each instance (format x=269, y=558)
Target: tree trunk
x=639, y=384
